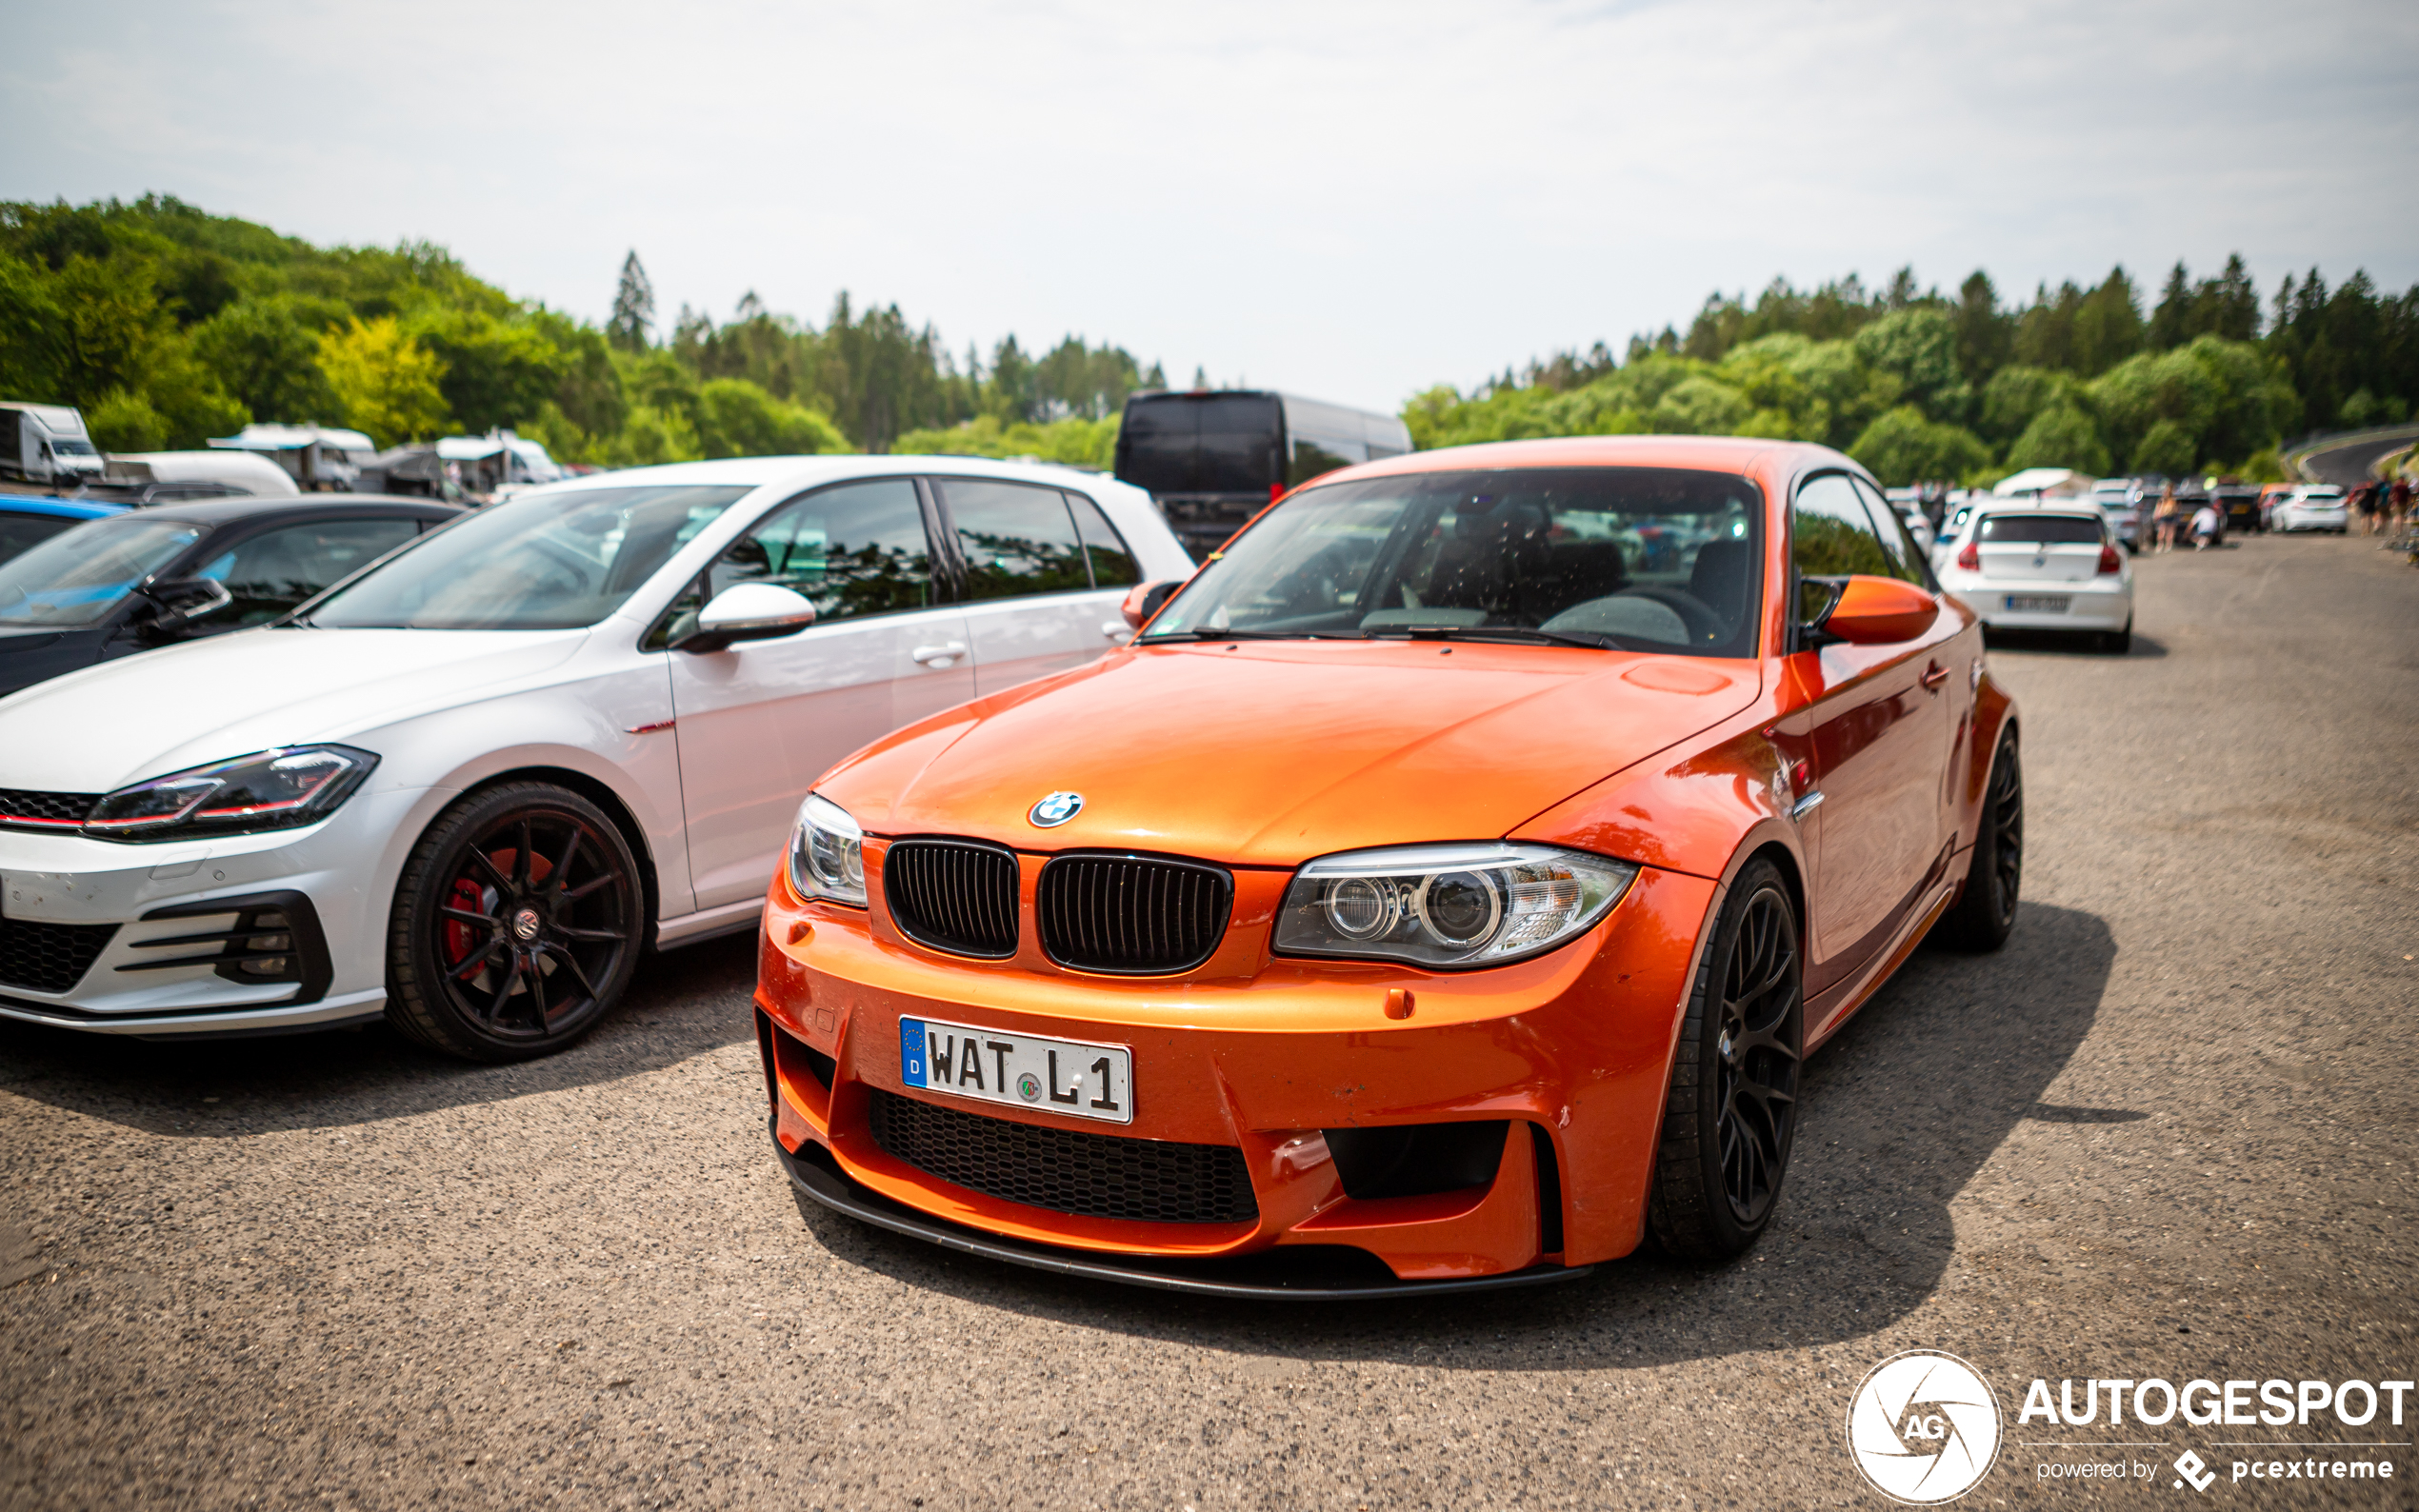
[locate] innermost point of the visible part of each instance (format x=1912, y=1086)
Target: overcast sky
x=1350, y=200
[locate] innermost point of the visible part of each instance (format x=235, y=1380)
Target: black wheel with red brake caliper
x=517, y=923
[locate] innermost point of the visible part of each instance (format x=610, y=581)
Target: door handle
x=938, y=656
x=1933, y=676
x=1117, y=629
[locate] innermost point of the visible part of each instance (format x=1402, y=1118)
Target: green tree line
x=165, y=326
x=1919, y=384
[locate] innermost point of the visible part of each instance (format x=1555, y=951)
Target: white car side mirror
x=747, y=612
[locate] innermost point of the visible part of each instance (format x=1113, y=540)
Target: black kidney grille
x=21, y=808
x=953, y=895
x=1066, y=1170
x=50, y=957
x=1131, y=913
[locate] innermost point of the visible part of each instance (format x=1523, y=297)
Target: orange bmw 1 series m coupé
x=1443, y=889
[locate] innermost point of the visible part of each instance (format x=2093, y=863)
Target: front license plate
x=2037, y=604
x=1022, y=1071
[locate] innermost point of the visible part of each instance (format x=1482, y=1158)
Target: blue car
x=27, y=521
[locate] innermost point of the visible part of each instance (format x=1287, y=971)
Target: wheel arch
x=602, y=794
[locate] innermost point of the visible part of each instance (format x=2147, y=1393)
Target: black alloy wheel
x=1732, y=1113
x=517, y=923
x=1985, y=913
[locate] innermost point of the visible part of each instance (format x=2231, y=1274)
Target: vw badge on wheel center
x=1056, y=809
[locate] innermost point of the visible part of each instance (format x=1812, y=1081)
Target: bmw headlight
x=826, y=853
x=274, y=789
x=1448, y=906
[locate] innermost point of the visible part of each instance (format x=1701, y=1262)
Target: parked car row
x=1352, y=891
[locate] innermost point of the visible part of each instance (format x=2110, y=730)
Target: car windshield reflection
x=542, y=562
x=79, y=577
x=1644, y=559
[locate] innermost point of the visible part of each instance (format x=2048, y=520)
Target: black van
x=1214, y=458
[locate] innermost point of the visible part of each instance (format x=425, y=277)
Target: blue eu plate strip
x=912, y=1051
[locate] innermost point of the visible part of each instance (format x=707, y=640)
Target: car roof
x=223, y=512
x=808, y=471
x=1737, y=454
x=59, y=509
x=2034, y=512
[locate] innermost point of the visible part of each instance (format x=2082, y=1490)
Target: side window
x=1016, y=538
x=1112, y=565
x=270, y=574
x=1906, y=562
x=1831, y=536
x=852, y=550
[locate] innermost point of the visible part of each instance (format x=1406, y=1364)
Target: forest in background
x=1917, y=385
x=167, y=325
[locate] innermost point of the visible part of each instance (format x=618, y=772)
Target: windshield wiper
x=1254, y=635
x=1511, y=634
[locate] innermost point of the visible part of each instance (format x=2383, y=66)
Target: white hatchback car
x=2319, y=506
x=2031, y=567
x=468, y=785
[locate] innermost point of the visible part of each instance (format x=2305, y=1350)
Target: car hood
x=1267, y=754
x=178, y=707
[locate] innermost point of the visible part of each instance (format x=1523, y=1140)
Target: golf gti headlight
x=285, y=789
x=826, y=853
x=1448, y=906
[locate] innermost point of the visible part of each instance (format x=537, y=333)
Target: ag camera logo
x=1923, y=1427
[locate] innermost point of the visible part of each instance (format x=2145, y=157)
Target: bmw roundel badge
x=1055, y=810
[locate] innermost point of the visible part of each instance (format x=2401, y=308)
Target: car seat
x=1718, y=580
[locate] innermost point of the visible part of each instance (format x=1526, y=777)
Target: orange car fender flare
x=1995, y=713
x=1765, y=834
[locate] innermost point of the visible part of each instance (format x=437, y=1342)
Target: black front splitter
x=812, y=1172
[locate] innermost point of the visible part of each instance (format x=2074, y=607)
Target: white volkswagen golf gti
x=468, y=787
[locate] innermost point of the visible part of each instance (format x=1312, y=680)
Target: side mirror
x=1146, y=600
x=181, y=600
x=747, y=611
x=1876, y=612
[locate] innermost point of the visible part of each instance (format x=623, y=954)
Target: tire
x=2118, y=643
x=1730, y=1115
x=1985, y=912
x=516, y=924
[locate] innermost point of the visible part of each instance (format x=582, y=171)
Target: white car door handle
x=942, y=655
x=1117, y=629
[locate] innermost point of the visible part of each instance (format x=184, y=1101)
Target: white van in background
x=47, y=445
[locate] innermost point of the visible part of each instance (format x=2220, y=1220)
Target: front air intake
x=1067, y=1170
x=21, y=809
x=953, y=895
x=1131, y=915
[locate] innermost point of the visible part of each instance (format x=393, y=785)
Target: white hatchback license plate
x=1022, y=1071
x=2037, y=604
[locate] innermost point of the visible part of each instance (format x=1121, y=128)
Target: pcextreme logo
x=1923, y=1427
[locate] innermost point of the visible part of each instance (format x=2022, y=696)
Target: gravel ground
x=2167, y=1133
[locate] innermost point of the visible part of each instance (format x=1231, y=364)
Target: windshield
x=77, y=577
x=1651, y=559
x=542, y=562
